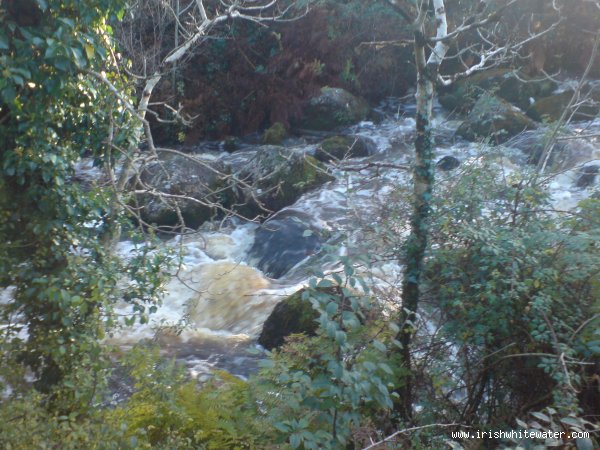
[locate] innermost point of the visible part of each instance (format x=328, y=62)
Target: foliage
x=169, y=411
x=515, y=282
x=247, y=77
x=322, y=389
x=52, y=113
x=563, y=425
x=26, y=424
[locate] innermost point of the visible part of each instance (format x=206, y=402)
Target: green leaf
x=370, y=366
x=331, y=308
x=9, y=94
x=282, y=426
x=571, y=421
x=80, y=61
x=541, y=416
x=3, y=42
x=379, y=346
x=387, y=369
x=340, y=337
x=295, y=440
x=307, y=233
x=62, y=64
x=325, y=284
x=89, y=51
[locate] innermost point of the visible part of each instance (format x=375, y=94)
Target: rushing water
x=214, y=308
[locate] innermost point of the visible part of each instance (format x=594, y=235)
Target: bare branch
x=408, y=430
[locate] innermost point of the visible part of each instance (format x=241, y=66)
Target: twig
x=408, y=430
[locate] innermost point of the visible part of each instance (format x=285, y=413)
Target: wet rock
x=341, y=147
x=282, y=242
x=275, y=134
x=551, y=108
x=495, y=119
x=278, y=176
x=587, y=176
x=291, y=316
x=565, y=154
x=201, y=179
x=504, y=83
x=448, y=163
x=231, y=144
x=332, y=108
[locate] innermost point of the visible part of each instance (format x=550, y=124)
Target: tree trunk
x=423, y=177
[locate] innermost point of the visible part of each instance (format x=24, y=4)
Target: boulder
x=494, y=118
x=587, y=176
x=291, y=316
x=278, y=176
x=275, y=134
x=332, y=108
x=447, y=163
x=231, y=144
x=551, y=108
x=201, y=179
x=296, y=315
x=340, y=147
x=282, y=242
x=504, y=83
x=565, y=154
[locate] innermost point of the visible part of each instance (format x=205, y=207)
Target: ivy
x=52, y=113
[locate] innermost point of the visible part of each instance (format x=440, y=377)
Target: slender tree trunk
x=423, y=178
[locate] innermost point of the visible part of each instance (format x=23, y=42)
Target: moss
x=295, y=174
x=333, y=107
x=501, y=82
x=275, y=134
x=494, y=118
x=291, y=316
x=340, y=147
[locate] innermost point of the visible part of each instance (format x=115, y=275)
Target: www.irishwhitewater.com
x=520, y=434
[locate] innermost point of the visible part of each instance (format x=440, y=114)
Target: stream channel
x=220, y=268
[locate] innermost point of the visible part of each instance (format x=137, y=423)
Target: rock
x=275, y=134
x=279, y=177
x=231, y=144
x=551, y=108
x=504, y=83
x=587, y=176
x=332, y=108
x=566, y=153
x=295, y=315
x=448, y=163
x=494, y=118
x=282, y=242
x=199, y=178
x=290, y=316
x=340, y=147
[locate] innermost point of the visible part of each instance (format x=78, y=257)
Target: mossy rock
x=279, y=176
x=295, y=315
x=332, y=108
x=495, y=119
x=551, y=108
x=201, y=179
x=340, y=147
x=275, y=134
x=291, y=316
x=504, y=83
